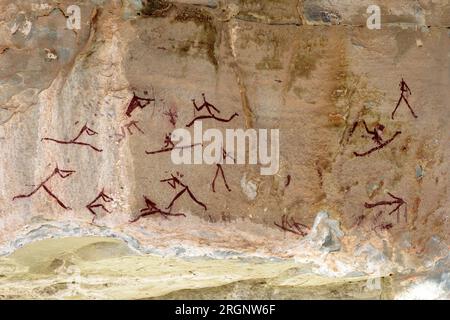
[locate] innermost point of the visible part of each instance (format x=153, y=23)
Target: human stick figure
x=172, y=114
x=84, y=130
x=93, y=204
x=376, y=134
x=220, y=170
x=152, y=209
x=210, y=110
x=138, y=102
x=169, y=145
x=63, y=174
x=174, y=182
x=404, y=90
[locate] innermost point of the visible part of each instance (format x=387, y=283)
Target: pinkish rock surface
x=311, y=69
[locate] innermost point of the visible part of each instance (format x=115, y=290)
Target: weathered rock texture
x=309, y=68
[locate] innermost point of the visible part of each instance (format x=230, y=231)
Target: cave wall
x=311, y=69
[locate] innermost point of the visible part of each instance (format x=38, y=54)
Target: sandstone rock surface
x=311, y=69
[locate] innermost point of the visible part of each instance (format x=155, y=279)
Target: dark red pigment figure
x=383, y=226
x=173, y=115
x=288, y=181
x=169, y=146
x=220, y=170
x=152, y=209
x=377, y=216
x=290, y=225
x=174, y=182
x=129, y=126
x=92, y=205
x=398, y=202
x=210, y=109
x=84, y=130
x=404, y=90
x=62, y=174
x=138, y=102
x=376, y=134
x=359, y=220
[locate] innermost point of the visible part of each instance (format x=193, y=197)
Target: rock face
x=90, y=92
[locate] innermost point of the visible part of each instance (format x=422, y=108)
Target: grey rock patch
x=325, y=234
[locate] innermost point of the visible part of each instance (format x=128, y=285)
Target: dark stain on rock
x=155, y=8
x=201, y=18
x=267, y=10
x=305, y=61
x=318, y=14
x=272, y=60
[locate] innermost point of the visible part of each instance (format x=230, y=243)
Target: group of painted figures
x=293, y=226
x=175, y=180
x=376, y=133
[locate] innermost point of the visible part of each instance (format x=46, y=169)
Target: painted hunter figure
x=63, y=174
x=172, y=114
x=153, y=209
x=405, y=92
x=94, y=204
x=220, y=170
x=210, y=110
x=376, y=134
x=138, y=102
x=174, y=182
x=85, y=130
x=169, y=145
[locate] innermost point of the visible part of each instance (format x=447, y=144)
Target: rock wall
x=85, y=112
